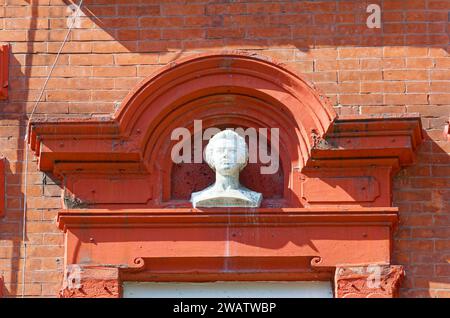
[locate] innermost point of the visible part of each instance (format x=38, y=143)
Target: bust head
x=227, y=153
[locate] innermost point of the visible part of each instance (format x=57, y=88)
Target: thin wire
x=24, y=220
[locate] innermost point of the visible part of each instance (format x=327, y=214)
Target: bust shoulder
x=241, y=197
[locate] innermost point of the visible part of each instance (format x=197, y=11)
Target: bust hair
x=242, y=148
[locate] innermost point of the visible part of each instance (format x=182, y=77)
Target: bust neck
x=227, y=182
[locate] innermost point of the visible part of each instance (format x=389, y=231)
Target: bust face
x=225, y=158
x=228, y=155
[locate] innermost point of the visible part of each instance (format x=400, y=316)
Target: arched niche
x=225, y=90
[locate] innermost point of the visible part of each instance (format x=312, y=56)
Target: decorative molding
x=367, y=141
x=81, y=281
x=203, y=269
x=244, y=265
x=370, y=281
x=69, y=219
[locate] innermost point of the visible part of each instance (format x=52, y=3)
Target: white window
x=275, y=289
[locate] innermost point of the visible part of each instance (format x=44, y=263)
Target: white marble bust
x=227, y=154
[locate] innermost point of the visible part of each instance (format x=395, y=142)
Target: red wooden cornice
x=363, y=141
x=93, y=143
x=261, y=217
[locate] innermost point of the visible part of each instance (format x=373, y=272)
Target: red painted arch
x=152, y=103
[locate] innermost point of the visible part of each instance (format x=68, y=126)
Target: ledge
x=376, y=140
x=226, y=217
x=355, y=140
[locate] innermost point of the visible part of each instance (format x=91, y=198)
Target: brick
x=420, y=63
x=226, y=9
x=383, y=109
x=323, y=53
x=114, y=23
x=359, y=76
x=430, y=110
x=160, y=22
x=179, y=34
x=276, y=20
x=443, y=245
x=184, y=9
x=203, y=21
x=70, y=47
x=116, y=71
x=88, y=35
x=349, y=87
x=358, y=52
x=68, y=95
x=13, y=36
x=386, y=87
x=369, y=99
x=146, y=70
x=45, y=251
x=25, y=23
x=261, y=8
x=91, y=59
x=324, y=76
x=218, y=33
x=113, y=47
x=405, y=99
x=412, y=196
x=405, y=75
x=326, y=65
x=286, y=55
x=440, y=75
x=108, y=95
x=438, y=4
x=413, y=245
x=440, y=99
x=138, y=10
x=417, y=87
x=44, y=202
x=301, y=66
x=264, y=32
x=133, y=59
x=442, y=63
x=352, y=64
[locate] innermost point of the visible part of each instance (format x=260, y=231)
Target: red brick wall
x=403, y=67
